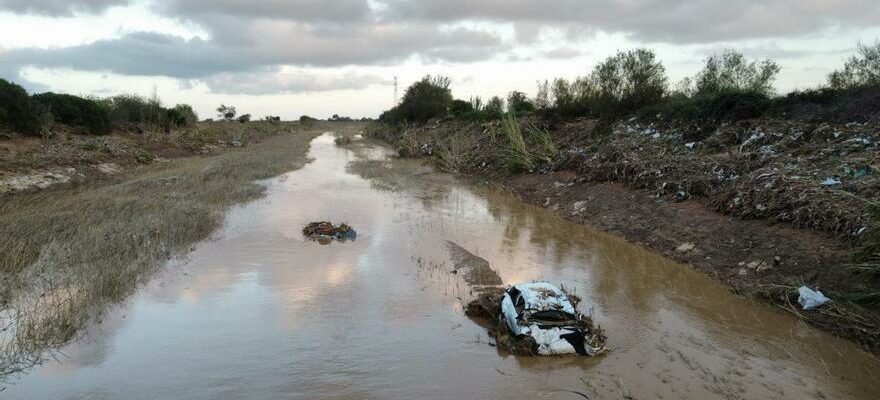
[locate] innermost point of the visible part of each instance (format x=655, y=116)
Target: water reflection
x=261, y=312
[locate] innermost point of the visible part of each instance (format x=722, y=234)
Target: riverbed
x=259, y=311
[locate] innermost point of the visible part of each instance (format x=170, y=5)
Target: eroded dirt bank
x=763, y=206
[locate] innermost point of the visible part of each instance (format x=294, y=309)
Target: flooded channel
x=260, y=312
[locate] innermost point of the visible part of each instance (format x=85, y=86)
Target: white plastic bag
x=810, y=299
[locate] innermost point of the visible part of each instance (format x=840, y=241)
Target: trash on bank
x=326, y=230
x=810, y=299
x=538, y=319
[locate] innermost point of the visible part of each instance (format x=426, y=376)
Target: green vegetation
x=862, y=69
x=526, y=148
x=17, y=112
x=426, y=99
x=34, y=115
x=88, y=114
x=731, y=72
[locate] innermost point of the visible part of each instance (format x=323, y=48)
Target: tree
x=428, y=98
x=861, y=69
x=226, y=112
x=494, y=108
x=518, y=103
x=628, y=81
x=244, y=118
x=730, y=71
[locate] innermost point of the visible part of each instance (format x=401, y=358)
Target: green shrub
x=494, y=108
x=426, y=99
x=526, y=150
x=244, y=118
x=862, y=69
x=17, y=112
x=627, y=82
x=727, y=106
x=460, y=108
x=76, y=111
x=181, y=115
x=518, y=103
x=731, y=72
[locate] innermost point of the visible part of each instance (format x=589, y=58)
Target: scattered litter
x=685, y=247
x=690, y=145
x=831, y=182
x=810, y=299
x=326, y=230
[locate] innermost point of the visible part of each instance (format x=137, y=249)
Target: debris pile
x=326, y=230
x=537, y=319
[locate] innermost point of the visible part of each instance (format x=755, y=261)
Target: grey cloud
x=153, y=54
x=271, y=82
x=677, y=21
x=297, y=10
x=59, y=7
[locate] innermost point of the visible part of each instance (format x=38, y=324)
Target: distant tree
x=730, y=71
x=272, y=118
x=542, y=98
x=226, y=112
x=494, y=108
x=628, y=81
x=518, y=103
x=244, y=118
x=428, y=98
x=861, y=69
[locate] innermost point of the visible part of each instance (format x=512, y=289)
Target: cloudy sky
x=322, y=57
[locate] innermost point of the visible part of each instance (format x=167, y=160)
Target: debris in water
x=810, y=299
x=326, y=230
x=537, y=319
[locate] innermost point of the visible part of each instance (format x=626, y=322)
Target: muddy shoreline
x=598, y=182
x=755, y=258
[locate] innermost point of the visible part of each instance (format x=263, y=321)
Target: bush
x=77, y=111
x=306, y=119
x=628, y=81
x=181, y=115
x=862, y=69
x=244, y=118
x=426, y=99
x=494, y=108
x=727, y=106
x=731, y=72
x=460, y=108
x=17, y=112
x=518, y=103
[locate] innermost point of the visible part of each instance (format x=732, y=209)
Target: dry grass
x=66, y=254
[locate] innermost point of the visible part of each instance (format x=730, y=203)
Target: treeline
x=34, y=114
x=729, y=86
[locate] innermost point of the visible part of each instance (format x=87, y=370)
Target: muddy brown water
x=259, y=312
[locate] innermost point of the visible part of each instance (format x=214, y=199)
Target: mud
x=260, y=311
